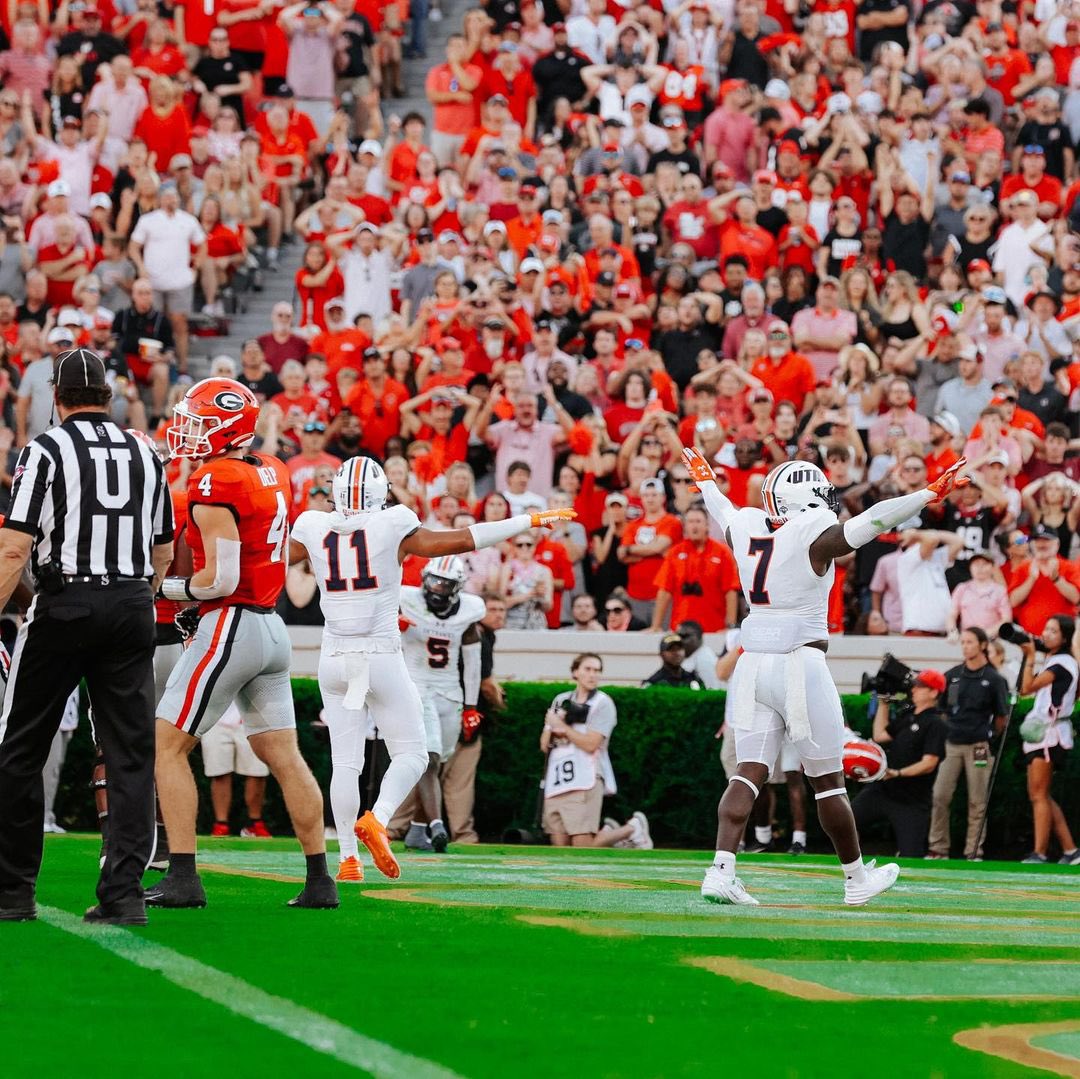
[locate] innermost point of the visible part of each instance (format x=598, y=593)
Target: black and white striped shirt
x=94, y=498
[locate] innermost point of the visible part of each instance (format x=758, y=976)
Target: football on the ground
x=863, y=760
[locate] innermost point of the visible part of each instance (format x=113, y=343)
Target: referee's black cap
x=78, y=368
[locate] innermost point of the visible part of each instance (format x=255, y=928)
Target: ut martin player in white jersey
x=781, y=682
x=356, y=554
x=438, y=629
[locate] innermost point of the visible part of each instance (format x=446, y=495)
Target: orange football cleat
x=373, y=835
x=350, y=869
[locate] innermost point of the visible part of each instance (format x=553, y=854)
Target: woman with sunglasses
x=527, y=585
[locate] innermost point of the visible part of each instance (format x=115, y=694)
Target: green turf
x=481, y=992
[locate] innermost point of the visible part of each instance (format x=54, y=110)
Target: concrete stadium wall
x=531, y=656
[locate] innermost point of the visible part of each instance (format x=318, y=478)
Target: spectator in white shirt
x=366, y=270
x=925, y=601
x=593, y=33
x=161, y=250
x=1025, y=243
x=76, y=156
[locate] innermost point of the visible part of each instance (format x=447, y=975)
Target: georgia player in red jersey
x=238, y=532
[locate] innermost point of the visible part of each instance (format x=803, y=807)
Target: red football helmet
x=213, y=417
x=864, y=760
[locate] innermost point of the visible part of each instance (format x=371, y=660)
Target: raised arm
x=842, y=539
x=428, y=544
x=720, y=507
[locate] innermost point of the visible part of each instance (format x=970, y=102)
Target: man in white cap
x=34, y=405
x=57, y=205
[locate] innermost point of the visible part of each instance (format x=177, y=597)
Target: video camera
x=892, y=679
x=1014, y=634
x=573, y=712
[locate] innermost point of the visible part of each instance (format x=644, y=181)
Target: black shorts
x=1055, y=754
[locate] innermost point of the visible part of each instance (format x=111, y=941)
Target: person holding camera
x=578, y=773
x=976, y=706
x=914, y=739
x=1047, y=732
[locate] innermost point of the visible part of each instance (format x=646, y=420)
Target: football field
x=521, y=961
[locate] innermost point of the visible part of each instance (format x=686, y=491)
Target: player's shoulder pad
x=751, y=518
x=213, y=477
x=403, y=518
x=306, y=523
x=811, y=523
x=473, y=607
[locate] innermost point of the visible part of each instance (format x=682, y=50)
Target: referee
x=91, y=509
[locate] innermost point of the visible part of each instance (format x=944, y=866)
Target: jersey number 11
x=362, y=581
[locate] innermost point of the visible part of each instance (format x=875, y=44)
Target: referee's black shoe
x=320, y=893
x=130, y=913
x=18, y=906
x=176, y=892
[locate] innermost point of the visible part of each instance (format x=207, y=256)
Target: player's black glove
x=187, y=622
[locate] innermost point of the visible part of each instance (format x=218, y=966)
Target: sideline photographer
x=578, y=773
x=1048, y=733
x=913, y=735
x=976, y=707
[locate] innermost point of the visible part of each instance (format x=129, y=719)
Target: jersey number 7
x=362, y=581
x=762, y=546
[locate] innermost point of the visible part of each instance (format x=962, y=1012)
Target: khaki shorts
x=175, y=301
x=225, y=750
x=575, y=813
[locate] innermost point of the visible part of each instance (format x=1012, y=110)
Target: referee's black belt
x=102, y=579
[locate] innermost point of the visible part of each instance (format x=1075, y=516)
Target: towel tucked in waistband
x=744, y=690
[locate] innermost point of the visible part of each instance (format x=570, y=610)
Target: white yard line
x=317, y=1032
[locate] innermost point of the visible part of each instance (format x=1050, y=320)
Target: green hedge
x=666, y=759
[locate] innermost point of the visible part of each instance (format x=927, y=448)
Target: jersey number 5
x=438, y=652
x=362, y=581
x=762, y=547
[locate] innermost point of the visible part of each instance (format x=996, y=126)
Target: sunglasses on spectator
x=614, y=610
x=524, y=543
x=650, y=442
x=913, y=468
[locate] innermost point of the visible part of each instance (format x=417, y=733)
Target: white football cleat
x=877, y=879
x=718, y=889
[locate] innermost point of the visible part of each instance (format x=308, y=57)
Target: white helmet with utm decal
x=360, y=485
x=795, y=487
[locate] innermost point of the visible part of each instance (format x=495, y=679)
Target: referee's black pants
x=105, y=634
x=909, y=817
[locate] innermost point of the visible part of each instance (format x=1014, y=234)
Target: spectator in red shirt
x=1044, y=586
x=164, y=125
x=698, y=580
x=376, y=402
x=296, y=402
x=643, y=545
x=689, y=221
x=281, y=344
x=741, y=234
x=787, y=375
x=737, y=478
x=311, y=456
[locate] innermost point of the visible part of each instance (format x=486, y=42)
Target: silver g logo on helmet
x=229, y=401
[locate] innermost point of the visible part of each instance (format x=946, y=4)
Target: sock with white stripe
x=798, y=837
x=345, y=805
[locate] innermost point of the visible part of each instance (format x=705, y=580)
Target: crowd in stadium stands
x=774, y=229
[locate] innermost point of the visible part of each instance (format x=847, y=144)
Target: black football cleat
x=18, y=907
x=133, y=913
x=755, y=846
x=797, y=848
x=318, y=894
x=176, y=892
x=440, y=838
